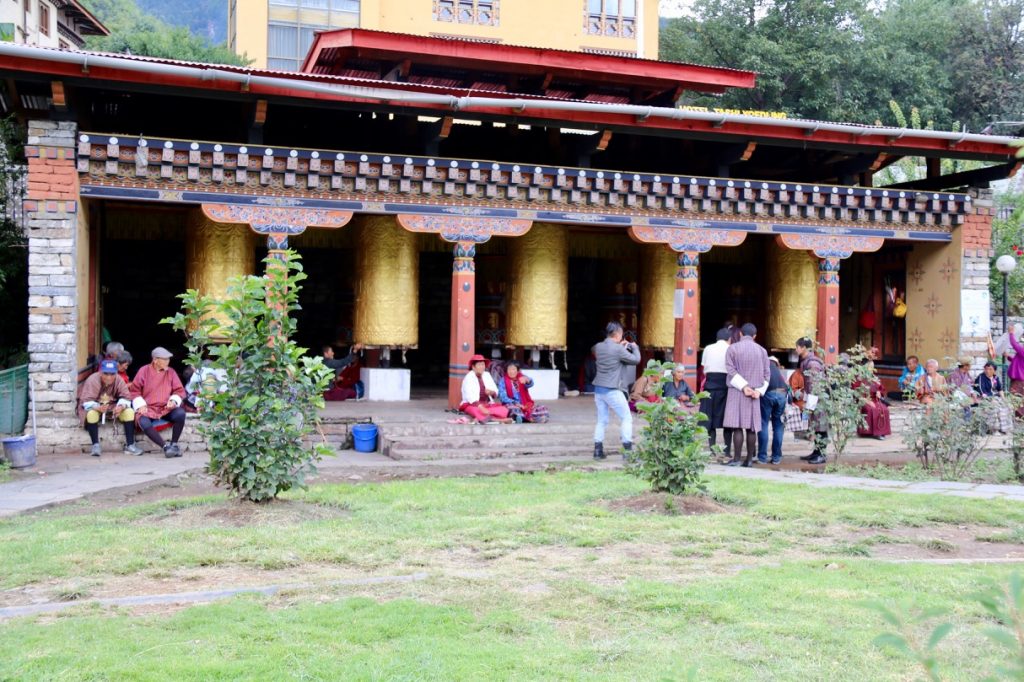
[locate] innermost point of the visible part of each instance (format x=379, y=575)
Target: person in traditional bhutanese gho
x=480, y=394
x=747, y=367
x=514, y=393
x=931, y=384
x=105, y=393
x=157, y=395
x=614, y=355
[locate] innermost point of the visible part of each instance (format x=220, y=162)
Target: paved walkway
x=59, y=479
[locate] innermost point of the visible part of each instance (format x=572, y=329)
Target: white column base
x=385, y=384
x=545, y=383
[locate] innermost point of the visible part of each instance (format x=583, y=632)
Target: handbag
x=794, y=419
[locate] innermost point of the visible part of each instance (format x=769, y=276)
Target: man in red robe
x=157, y=394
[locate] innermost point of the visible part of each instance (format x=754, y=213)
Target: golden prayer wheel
x=792, y=302
x=538, y=298
x=215, y=253
x=657, y=296
x=387, y=284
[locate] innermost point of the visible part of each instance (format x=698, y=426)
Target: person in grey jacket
x=614, y=355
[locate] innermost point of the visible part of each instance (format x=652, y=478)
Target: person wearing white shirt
x=713, y=362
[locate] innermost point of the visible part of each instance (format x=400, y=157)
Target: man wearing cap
x=480, y=394
x=106, y=393
x=157, y=394
x=615, y=356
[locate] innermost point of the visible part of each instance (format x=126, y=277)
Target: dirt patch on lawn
x=936, y=542
x=236, y=514
x=670, y=505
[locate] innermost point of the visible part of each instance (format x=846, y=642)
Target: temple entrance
x=734, y=288
x=872, y=287
x=142, y=266
x=429, y=362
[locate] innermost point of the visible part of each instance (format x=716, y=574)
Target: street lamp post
x=1005, y=265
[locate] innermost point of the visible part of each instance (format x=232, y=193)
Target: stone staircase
x=433, y=441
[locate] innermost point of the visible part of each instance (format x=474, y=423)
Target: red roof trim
x=883, y=140
x=527, y=60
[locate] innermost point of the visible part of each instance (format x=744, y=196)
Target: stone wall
x=974, y=277
x=51, y=213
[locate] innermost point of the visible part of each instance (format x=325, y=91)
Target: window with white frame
x=480, y=12
x=614, y=18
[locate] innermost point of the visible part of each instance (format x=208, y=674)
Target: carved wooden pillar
x=463, y=329
x=828, y=306
x=687, y=314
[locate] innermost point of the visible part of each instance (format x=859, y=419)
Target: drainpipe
x=470, y=103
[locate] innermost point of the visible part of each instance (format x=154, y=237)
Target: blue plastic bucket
x=365, y=437
x=20, y=451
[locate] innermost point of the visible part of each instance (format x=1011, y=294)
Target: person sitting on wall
x=876, y=423
x=344, y=386
x=676, y=387
x=112, y=350
x=480, y=394
x=106, y=393
x=960, y=379
x=124, y=361
x=514, y=393
x=157, y=394
x=931, y=384
x=908, y=378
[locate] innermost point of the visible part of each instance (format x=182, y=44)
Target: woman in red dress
x=876, y=413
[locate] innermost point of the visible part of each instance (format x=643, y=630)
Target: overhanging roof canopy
x=500, y=68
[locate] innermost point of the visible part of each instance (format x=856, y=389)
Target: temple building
x=454, y=197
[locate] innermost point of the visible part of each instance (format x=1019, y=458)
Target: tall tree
x=135, y=31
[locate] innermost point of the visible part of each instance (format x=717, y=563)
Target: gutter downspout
x=470, y=103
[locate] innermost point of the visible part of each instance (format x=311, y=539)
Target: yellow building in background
x=276, y=34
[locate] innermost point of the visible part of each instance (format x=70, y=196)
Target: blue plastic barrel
x=20, y=452
x=365, y=437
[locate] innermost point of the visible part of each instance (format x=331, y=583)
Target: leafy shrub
x=255, y=420
x=672, y=454
x=838, y=400
x=949, y=434
x=1004, y=605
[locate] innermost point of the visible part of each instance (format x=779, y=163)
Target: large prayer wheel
x=657, y=296
x=538, y=299
x=215, y=253
x=792, y=300
x=387, y=284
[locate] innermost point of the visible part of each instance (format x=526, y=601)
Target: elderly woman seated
x=931, y=383
x=676, y=387
x=514, y=394
x=480, y=395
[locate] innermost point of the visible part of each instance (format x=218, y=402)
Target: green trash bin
x=13, y=399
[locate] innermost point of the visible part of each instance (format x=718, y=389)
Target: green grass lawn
x=529, y=577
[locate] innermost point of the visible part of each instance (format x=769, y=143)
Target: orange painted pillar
x=463, y=329
x=687, y=314
x=828, y=307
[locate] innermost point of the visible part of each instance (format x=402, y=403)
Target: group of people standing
x=748, y=394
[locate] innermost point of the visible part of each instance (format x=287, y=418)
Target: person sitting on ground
x=124, y=361
x=157, y=394
x=206, y=376
x=960, y=379
x=989, y=387
x=876, y=423
x=646, y=389
x=931, y=384
x=908, y=378
x=988, y=384
x=480, y=394
x=514, y=393
x=105, y=393
x=343, y=387
x=676, y=387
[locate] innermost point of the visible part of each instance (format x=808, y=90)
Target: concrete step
x=501, y=452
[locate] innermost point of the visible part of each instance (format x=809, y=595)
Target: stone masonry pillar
x=51, y=213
